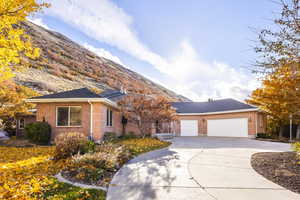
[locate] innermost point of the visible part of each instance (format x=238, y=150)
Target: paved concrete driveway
x=199, y=168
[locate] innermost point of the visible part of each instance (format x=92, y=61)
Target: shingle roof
x=83, y=93
x=211, y=106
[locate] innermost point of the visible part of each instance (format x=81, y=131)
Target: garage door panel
x=189, y=127
x=234, y=127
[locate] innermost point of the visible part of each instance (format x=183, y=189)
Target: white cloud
x=39, y=21
x=200, y=80
x=103, y=53
x=184, y=71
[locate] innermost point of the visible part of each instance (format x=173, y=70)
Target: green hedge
x=38, y=132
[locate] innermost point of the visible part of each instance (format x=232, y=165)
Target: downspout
x=256, y=123
x=91, y=120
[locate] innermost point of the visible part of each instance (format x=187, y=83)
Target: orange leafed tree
x=145, y=111
x=279, y=95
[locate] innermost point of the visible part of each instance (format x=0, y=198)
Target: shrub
x=68, y=144
x=97, y=168
x=265, y=136
x=89, y=147
x=110, y=136
x=38, y=132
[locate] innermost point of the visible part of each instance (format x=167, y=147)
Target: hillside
x=65, y=65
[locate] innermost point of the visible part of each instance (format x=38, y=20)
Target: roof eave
x=221, y=112
x=71, y=100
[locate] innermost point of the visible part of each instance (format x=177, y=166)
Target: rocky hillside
x=65, y=65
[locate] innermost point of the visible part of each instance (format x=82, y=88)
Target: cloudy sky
x=200, y=49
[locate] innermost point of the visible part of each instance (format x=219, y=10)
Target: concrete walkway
x=199, y=168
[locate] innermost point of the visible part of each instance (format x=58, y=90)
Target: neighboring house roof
x=80, y=95
x=214, y=106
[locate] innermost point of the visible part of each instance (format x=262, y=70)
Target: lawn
x=27, y=172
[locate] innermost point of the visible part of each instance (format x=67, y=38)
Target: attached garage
x=189, y=127
x=221, y=118
x=236, y=127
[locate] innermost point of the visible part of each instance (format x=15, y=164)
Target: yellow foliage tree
x=279, y=95
x=14, y=42
x=12, y=98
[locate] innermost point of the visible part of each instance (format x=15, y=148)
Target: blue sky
x=200, y=49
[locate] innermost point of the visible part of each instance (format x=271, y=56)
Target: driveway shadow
x=141, y=176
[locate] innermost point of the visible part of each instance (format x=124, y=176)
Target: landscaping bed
x=28, y=172
x=99, y=167
x=282, y=168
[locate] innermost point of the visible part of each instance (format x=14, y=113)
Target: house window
x=109, y=117
x=21, y=123
x=68, y=116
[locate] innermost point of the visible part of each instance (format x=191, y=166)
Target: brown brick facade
x=202, y=121
x=47, y=112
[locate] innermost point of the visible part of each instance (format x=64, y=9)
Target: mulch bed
x=282, y=168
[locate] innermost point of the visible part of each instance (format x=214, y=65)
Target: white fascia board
x=221, y=112
x=65, y=100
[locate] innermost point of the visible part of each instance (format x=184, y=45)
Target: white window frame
x=20, y=123
x=69, y=115
x=109, y=116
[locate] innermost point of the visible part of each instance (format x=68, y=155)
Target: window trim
x=20, y=124
x=109, y=116
x=69, y=117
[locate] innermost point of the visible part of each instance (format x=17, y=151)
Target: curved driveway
x=199, y=168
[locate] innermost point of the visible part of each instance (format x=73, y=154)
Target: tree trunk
x=298, y=132
x=281, y=131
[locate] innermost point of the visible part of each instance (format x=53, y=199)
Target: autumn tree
x=144, y=111
x=14, y=42
x=12, y=98
x=15, y=45
x=279, y=96
x=279, y=65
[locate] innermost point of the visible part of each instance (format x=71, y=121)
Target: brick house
x=82, y=110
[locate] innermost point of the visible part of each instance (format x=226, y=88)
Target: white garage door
x=189, y=127
x=237, y=127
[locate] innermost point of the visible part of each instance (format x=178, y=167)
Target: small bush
x=97, y=168
x=68, y=144
x=265, y=136
x=110, y=136
x=38, y=132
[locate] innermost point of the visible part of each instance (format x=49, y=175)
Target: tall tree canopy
x=279, y=63
x=14, y=42
x=281, y=45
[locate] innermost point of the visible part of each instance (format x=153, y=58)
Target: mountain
x=65, y=65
